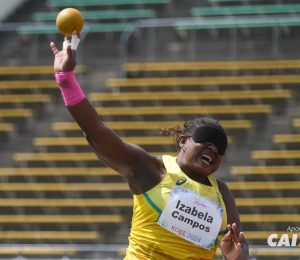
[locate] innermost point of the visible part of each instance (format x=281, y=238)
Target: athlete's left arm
x=233, y=245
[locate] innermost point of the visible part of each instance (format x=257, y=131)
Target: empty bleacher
x=99, y=18
x=33, y=70
x=26, y=90
x=15, y=113
x=200, y=81
x=251, y=9
x=269, y=170
x=49, y=235
x=67, y=135
x=55, y=190
x=250, y=15
x=57, y=171
x=192, y=95
x=275, y=154
x=87, y=3
x=280, y=164
x=148, y=125
x=47, y=169
x=100, y=15
x=142, y=67
x=64, y=203
x=28, y=84
x=6, y=127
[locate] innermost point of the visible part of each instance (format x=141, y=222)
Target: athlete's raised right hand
x=64, y=60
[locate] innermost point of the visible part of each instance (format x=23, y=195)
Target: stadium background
x=150, y=64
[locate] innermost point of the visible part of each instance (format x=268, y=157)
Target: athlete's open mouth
x=207, y=159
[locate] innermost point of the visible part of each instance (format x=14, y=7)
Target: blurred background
x=147, y=65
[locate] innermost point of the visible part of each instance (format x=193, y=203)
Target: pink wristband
x=69, y=87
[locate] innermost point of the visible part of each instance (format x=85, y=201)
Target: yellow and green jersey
x=148, y=240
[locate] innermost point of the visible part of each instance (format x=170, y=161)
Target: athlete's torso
x=148, y=240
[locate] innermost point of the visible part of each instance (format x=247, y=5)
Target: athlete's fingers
x=53, y=48
x=228, y=227
x=241, y=237
x=234, y=226
x=234, y=230
x=239, y=248
x=75, y=41
x=69, y=50
x=227, y=236
x=66, y=44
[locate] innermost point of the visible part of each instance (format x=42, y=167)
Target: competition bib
x=195, y=218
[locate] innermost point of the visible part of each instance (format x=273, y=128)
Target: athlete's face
x=198, y=159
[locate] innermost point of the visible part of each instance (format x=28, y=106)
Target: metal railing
x=190, y=26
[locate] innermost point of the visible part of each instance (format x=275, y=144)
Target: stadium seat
x=6, y=127
x=192, y=95
x=224, y=23
x=267, y=253
x=268, y=201
x=265, y=170
x=123, y=202
x=246, y=10
x=28, y=84
x=60, y=157
x=127, y=202
x=39, y=251
x=271, y=252
x=25, y=98
x=286, y=138
x=211, y=65
x=187, y=110
x=15, y=113
x=275, y=154
x=258, y=185
x=149, y=125
x=229, y=23
x=229, y=1
x=100, y=15
x=117, y=219
x=204, y=81
x=34, y=70
x=66, y=202
x=49, y=235
x=258, y=218
x=122, y=186
x=80, y=141
x=296, y=123
x=55, y=187
x=57, y=171
x=62, y=219
x=95, y=3
x=54, y=156
x=37, y=29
